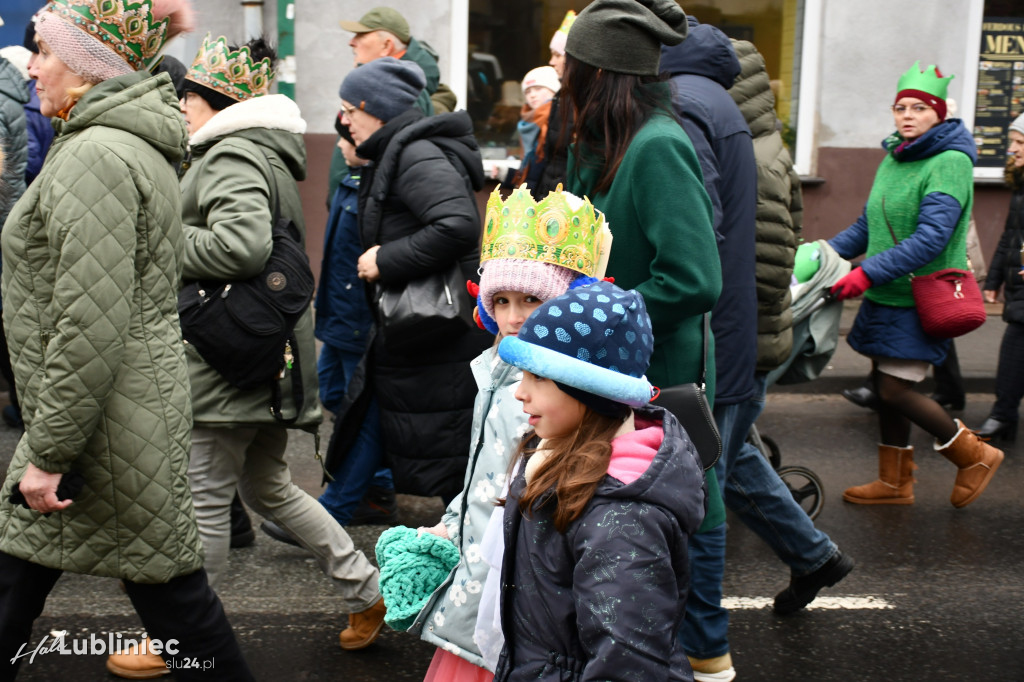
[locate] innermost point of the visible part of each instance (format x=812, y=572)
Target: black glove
x=70, y=485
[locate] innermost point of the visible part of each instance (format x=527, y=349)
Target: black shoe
x=278, y=533
x=377, y=508
x=949, y=402
x=994, y=429
x=242, y=534
x=863, y=396
x=12, y=417
x=803, y=590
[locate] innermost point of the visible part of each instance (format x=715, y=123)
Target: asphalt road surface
x=936, y=594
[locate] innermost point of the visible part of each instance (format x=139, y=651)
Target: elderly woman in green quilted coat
x=92, y=257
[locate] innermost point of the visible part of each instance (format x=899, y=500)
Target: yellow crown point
x=567, y=22
x=560, y=229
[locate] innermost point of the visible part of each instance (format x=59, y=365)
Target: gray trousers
x=252, y=459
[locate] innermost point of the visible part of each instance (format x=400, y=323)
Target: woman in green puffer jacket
x=92, y=256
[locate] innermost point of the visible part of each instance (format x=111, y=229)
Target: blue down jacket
x=603, y=600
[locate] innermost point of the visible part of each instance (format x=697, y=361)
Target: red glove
x=852, y=285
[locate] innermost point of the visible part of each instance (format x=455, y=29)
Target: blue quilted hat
x=596, y=339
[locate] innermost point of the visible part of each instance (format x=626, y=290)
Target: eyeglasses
x=917, y=109
x=347, y=111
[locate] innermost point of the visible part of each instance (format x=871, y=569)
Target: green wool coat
x=227, y=208
x=92, y=257
x=664, y=247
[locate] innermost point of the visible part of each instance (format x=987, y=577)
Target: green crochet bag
x=412, y=565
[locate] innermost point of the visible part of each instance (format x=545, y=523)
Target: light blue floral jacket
x=499, y=424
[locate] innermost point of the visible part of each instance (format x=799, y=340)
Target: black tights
x=902, y=406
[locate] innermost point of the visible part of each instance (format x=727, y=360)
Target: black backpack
x=245, y=329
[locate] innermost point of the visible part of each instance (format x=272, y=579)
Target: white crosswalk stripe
x=849, y=603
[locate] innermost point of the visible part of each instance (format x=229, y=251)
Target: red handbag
x=948, y=302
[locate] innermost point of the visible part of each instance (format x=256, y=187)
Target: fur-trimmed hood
x=275, y=112
x=273, y=121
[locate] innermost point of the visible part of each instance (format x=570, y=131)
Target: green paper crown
x=234, y=74
x=547, y=231
x=128, y=28
x=930, y=80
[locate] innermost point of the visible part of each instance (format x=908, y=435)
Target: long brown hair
x=608, y=108
x=575, y=464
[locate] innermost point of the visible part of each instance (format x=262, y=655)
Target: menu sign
x=1000, y=87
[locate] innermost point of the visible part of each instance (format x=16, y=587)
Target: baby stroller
x=816, y=316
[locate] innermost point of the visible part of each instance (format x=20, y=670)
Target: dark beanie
x=384, y=88
x=30, y=37
x=625, y=36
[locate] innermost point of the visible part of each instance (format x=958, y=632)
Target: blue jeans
x=361, y=467
x=755, y=493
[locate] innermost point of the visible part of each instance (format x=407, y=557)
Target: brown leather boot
x=895, y=484
x=137, y=666
x=363, y=627
x=976, y=462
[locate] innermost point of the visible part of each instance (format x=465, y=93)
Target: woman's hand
x=990, y=294
x=40, y=490
x=852, y=285
x=366, y=266
x=439, y=530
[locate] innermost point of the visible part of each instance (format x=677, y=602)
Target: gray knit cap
x=625, y=36
x=1018, y=124
x=384, y=88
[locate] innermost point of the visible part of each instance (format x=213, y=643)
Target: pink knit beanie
x=543, y=280
x=96, y=56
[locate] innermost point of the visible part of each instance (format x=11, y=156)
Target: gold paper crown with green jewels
x=548, y=231
x=234, y=74
x=128, y=28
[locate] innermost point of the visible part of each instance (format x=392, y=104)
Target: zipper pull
x=288, y=357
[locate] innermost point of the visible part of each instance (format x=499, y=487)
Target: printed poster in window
x=1000, y=87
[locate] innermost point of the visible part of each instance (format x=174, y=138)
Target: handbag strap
x=273, y=184
x=705, y=332
x=298, y=392
x=892, y=232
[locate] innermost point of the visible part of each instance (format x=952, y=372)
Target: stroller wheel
x=806, y=488
x=774, y=455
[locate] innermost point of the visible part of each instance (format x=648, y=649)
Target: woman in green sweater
x=635, y=162
x=915, y=222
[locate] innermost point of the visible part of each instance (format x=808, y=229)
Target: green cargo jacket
x=92, y=257
x=227, y=208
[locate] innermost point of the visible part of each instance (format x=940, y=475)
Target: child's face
x=537, y=95
x=553, y=413
x=557, y=62
x=511, y=308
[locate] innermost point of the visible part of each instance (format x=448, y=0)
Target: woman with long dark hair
x=635, y=162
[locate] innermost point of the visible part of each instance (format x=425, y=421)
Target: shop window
x=1000, y=88
x=507, y=39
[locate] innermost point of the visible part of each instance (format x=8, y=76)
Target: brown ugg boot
x=895, y=484
x=135, y=665
x=363, y=627
x=975, y=460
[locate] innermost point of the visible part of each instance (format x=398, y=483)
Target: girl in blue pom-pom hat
x=606, y=492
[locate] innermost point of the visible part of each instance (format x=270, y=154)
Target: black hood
x=705, y=52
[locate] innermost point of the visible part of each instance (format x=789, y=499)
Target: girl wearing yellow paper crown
x=531, y=252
